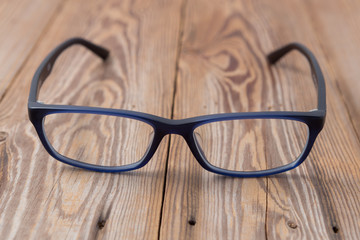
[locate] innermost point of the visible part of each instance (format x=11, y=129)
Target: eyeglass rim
x=183, y=127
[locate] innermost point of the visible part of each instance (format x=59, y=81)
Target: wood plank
x=43, y=198
x=21, y=25
x=330, y=187
x=222, y=69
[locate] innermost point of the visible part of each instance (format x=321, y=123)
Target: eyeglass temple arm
x=45, y=67
x=317, y=75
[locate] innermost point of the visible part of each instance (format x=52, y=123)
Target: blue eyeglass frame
x=314, y=119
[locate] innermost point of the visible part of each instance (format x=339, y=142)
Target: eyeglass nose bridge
x=177, y=127
x=185, y=129
x=166, y=127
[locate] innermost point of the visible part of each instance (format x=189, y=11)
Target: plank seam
x=177, y=60
x=266, y=208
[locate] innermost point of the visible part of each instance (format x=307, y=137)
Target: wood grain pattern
x=252, y=144
x=52, y=200
x=222, y=69
x=20, y=31
x=332, y=169
x=179, y=59
x=98, y=139
x=336, y=26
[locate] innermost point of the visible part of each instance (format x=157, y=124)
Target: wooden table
x=179, y=59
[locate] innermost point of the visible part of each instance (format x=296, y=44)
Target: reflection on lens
x=251, y=144
x=98, y=139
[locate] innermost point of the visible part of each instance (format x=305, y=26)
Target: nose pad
x=198, y=138
x=151, y=138
x=199, y=142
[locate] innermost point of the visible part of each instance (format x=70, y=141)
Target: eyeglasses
x=247, y=144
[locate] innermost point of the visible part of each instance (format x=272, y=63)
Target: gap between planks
x=178, y=54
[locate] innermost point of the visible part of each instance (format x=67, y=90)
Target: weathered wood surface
x=179, y=59
x=21, y=24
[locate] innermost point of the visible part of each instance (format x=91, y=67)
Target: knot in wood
x=3, y=136
x=292, y=225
